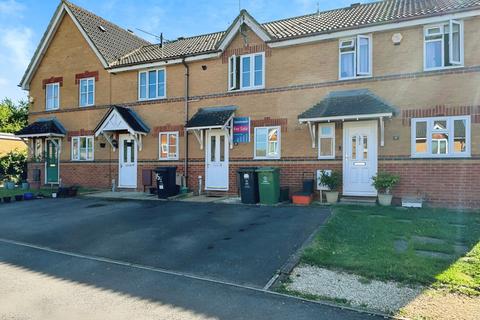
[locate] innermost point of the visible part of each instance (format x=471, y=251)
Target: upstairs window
x=152, y=84
x=246, y=71
x=441, y=137
x=87, y=92
x=168, y=145
x=267, y=143
x=52, y=94
x=443, y=45
x=355, y=57
x=82, y=148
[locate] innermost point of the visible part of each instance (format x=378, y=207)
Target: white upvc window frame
x=277, y=156
x=88, y=93
x=355, y=46
x=239, y=73
x=451, y=137
x=147, y=86
x=441, y=26
x=168, y=134
x=78, y=157
x=57, y=98
x=322, y=136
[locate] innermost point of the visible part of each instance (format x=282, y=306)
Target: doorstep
x=122, y=195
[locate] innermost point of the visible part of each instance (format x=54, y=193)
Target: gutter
x=186, y=91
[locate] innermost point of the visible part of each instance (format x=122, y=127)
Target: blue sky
x=22, y=23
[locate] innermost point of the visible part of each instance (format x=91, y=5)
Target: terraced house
x=384, y=86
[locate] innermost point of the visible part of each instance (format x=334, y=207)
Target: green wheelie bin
x=269, y=184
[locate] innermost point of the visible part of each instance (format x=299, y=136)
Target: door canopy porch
x=43, y=128
x=212, y=118
x=121, y=120
x=348, y=105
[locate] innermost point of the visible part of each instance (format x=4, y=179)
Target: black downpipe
x=187, y=77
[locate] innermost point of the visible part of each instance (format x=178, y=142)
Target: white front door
x=216, y=160
x=127, y=172
x=359, y=157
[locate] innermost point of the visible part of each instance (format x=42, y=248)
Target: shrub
x=385, y=181
x=13, y=166
x=333, y=181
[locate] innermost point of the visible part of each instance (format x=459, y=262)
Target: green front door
x=51, y=160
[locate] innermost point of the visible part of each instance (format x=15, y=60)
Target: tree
x=13, y=117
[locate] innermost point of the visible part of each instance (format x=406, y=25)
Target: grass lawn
x=384, y=243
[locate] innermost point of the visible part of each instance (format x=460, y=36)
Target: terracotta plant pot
x=385, y=199
x=332, y=196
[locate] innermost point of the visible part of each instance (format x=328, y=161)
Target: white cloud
x=17, y=45
x=11, y=7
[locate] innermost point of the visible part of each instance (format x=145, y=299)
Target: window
x=82, y=148
x=168, y=145
x=267, y=143
x=355, y=57
x=441, y=137
x=326, y=141
x=246, y=71
x=152, y=84
x=52, y=94
x=87, y=92
x=443, y=45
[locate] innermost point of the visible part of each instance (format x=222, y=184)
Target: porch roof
x=121, y=119
x=43, y=128
x=348, y=105
x=211, y=118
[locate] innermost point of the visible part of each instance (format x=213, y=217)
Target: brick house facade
x=295, y=73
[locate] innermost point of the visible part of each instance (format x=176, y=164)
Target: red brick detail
x=52, y=80
x=248, y=49
x=81, y=132
x=439, y=111
x=268, y=122
x=167, y=128
x=86, y=74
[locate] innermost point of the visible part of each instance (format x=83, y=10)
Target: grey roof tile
x=355, y=16
x=348, y=103
x=211, y=117
x=112, y=43
x=42, y=127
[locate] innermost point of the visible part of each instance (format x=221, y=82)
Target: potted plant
x=25, y=185
x=384, y=182
x=333, y=181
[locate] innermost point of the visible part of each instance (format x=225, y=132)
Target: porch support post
x=199, y=137
x=109, y=140
x=311, y=129
x=382, y=132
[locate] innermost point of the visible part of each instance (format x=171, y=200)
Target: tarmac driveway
x=238, y=244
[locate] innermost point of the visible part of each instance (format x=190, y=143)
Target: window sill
x=153, y=99
x=264, y=158
x=429, y=157
x=247, y=89
x=168, y=159
x=51, y=110
x=87, y=106
x=355, y=78
x=326, y=158
x=82, y=161
x=443, y=68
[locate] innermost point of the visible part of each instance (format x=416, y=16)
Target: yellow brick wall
x=69, y=54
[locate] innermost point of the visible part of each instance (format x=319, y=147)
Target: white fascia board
x=8, y=136
x=42, y=135
x=343, y=118
x=371, y=29
x=244, y=18
x=165, y=62
x=43, y=46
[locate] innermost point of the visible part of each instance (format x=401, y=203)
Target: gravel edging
x=384, y=296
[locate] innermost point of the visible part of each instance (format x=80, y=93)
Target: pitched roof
x=360, y=102
x=211, y=117
x=43, y=127
x=131, y=118
x=354, y=16
x=111, y=40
